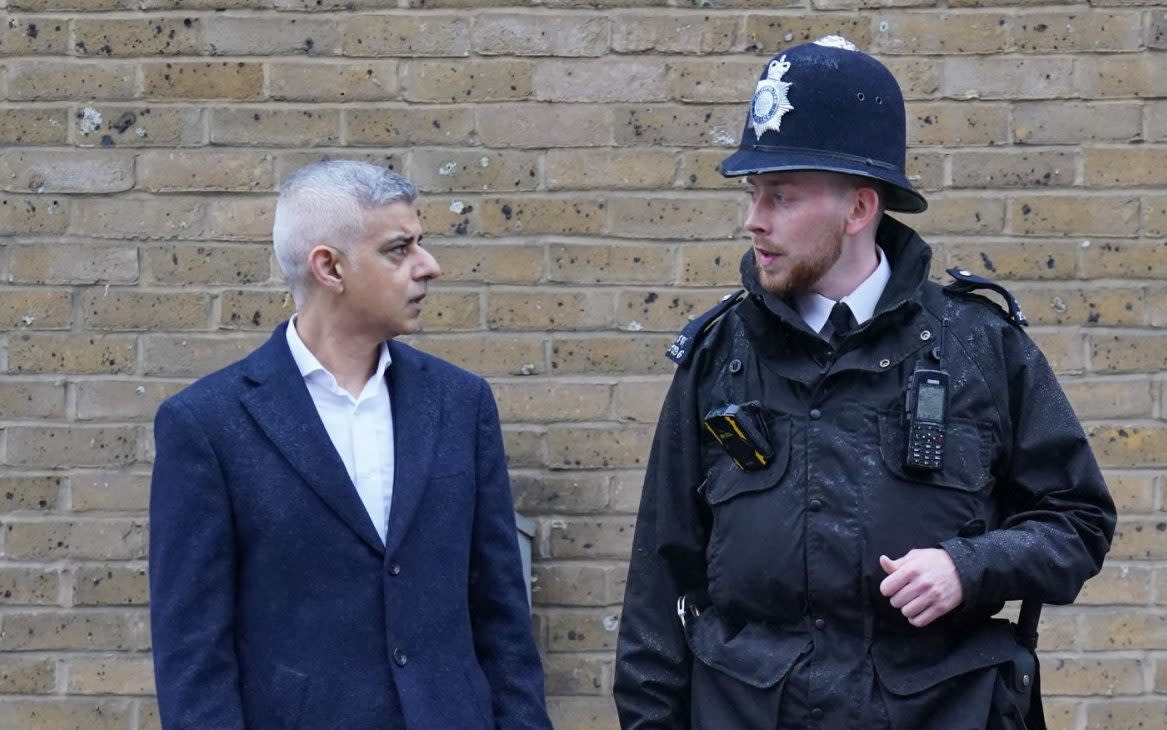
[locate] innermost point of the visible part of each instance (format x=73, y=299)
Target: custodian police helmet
x=827, y=106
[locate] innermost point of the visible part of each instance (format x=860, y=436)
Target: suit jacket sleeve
x=192, y=579
x=499, y=613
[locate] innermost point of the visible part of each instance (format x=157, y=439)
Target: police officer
x=854, y=467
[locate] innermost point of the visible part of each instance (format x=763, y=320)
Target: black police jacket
x=781, y=564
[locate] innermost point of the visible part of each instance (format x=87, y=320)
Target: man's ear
x=326, y=268
x=864, y=209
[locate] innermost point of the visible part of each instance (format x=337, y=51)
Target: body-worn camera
x=741, y=431
x=926, y=410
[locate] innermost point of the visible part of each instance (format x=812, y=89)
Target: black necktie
x=839, y=323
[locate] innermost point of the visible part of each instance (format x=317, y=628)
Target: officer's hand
x=923, y=584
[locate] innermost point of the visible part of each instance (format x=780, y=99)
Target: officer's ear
x=866, y=208
x=326, y=267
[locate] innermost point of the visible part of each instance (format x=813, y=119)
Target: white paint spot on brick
x=90, y=120
x=634, y=326
x=456, y=207
x=720, y=136
x=485, y=162
x=611, y=623
x=448, y=168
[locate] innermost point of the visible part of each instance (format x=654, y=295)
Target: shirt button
x=817, y=713
x=815, y=505
x=815, y=414
x=820, y=624
x=399, y=657
x=394, y=569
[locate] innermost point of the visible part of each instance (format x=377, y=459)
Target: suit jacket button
x=394, y=569
x=399, y=657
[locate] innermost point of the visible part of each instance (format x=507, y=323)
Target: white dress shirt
x=361, y=429
x=815, y=308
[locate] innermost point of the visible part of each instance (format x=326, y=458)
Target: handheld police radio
x=926, y=410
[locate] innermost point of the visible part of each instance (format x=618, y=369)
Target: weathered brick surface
x=567, y=150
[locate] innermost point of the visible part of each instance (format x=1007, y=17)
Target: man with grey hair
x=332, y=538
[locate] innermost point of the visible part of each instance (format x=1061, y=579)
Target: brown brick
x=1155, y=112
x=71, y=353
x=1064, y=350
x=412, y=35
x=711, y=264
x=534, y=215
x=271, y=36
x=585, y=263
x=150, y=36
x=625, y=354
x=1123, y=76
x=92, y=539
x=662, y=310
x=1076, y=32
x=252, y=309
x=626, y=492
x=576, y=169
x=679, y=33
x=32, y=399
x=1071, y=675
x=468, y=81
x=63, y=631
x=1120, y=167
x=27, y=676
x=1066, y=121
x=489, y=263
x=1133, y=491
x=241, y=219
x=957, y=123
x=1154, y=215
x=571, y=674
x=1009, y=78
x=1059, y=630
x=103, y=491
x=131, y=309
x=591, y=80
x=639, y=399
x=288, y=161
x=318, y=82
x=1160, y=675
x=206, y=264
x=29, y=35
x=1157, y=307
x=23, y=214
x=597, y=447
x=148, y=718
x=1022, y=259
x=65, y=714
x=950, y=33
x=29, y=493
x=409, y=126
x=1122, y=259
x=539, y=35
x=1122, y=584
x=1096, y=306
x=283, y=127
x=1110, y=397
x=1128, y=352
x=1012, y=168
x=560, y=493
x=1138, y=538
x=681, y=126
x=123, y=675
x=29, y=126
x=543, y=125
x=961, y=214
x=523, y=446
x=590, y=537
x=1074, y=215
x=451, y=310
x=558, y=309
x=70, y=80
x=27, y=586
x=121, y=400
x=769, y=34
x=141, y=126
x=72, y=171
x=710, y=81
x=444, y=170
x=526, y=400
x=193, y=356
x=146, y=217
x=59, y=5
x=203, y=80
x=205, y=170
x=582, y=713
x=590, y=630
x=494, y=355
x=572, y=584
x=1126, y=714
x=676, y=217
x=445, y=216
x=54, y=446
x=1124, y=630
x=925, y=170
x=35, y=309
x=701, y=170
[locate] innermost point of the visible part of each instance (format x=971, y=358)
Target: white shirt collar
x=311, y=368
x=815, y=308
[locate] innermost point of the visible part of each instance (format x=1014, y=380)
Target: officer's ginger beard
x=803, y=271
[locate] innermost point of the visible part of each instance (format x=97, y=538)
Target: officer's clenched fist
x=923, y=584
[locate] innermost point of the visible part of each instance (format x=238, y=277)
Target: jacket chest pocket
x=966, y=461
x=725, y=481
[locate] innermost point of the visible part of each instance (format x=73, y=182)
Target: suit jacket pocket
x=287, y=692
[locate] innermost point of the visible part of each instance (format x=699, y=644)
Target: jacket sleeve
x=499, y=613
x=192, y=579
x=1059, y=517
x=653, y=662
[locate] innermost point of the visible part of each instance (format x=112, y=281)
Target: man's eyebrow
x=402, y=238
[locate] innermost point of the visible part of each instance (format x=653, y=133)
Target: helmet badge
x=770, y=100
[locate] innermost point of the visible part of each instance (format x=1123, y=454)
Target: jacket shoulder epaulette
x=967, y=282
x=683, y=345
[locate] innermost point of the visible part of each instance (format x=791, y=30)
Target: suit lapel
x=417, y=403
x=279, y=402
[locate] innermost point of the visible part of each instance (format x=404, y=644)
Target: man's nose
x=428, y=267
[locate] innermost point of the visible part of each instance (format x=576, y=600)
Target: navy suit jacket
x=274, y=603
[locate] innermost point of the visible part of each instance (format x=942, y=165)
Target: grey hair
x=324, y=203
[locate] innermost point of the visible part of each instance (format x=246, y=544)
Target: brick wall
x=567, y=151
